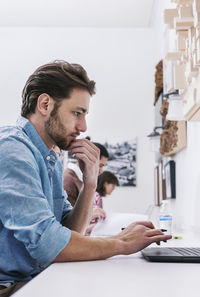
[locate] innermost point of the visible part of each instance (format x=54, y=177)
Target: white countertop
x=119, y=276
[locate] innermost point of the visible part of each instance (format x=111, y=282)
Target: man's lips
x=72, y=138
x=74, y=135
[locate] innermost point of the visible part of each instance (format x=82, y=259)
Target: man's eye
x=77, y=113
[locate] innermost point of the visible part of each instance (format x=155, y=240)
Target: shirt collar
x=32, y=133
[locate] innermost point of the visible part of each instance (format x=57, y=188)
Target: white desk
x=120, y=276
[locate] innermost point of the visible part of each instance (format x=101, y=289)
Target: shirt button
x=41, y=266
x=48, y=158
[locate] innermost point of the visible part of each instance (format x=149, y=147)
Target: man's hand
x=139, y=235
x=134, y=238
x=87, y=155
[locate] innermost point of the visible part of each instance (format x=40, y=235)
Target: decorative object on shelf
x=183, y=63
x=163, y=181
x=159, y=183
x=191, y=102
x=158, y=80
x=156, y=185
x=175, y=108
x=164, y=108
x=174, y=138
x=170, y=178
x=169, y=137
x=154, y=139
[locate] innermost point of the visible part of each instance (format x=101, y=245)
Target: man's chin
x=65, y=146
x=62, y=146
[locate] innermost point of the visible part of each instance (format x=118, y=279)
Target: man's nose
x=82, y=125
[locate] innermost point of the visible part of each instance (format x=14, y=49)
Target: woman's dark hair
x=57, y=79
x=103, y=150
x=108, y=177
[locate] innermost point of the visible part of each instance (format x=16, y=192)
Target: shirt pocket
x=58, y=204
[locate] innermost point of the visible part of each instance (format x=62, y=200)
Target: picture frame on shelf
x=156, y=186
x=162, y=181
x=170, y=179
x=159, y=183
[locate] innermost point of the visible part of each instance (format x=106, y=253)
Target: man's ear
x=44, y=104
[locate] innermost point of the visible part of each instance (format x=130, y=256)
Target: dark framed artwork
x=122, y=161
x=170, y=179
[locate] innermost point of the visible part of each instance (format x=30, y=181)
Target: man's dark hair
x=108, y=177
x=57, y=79
x=103, y=150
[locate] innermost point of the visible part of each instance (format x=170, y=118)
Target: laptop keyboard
x=187, y=251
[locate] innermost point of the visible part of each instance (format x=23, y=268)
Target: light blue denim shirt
x=32, y=203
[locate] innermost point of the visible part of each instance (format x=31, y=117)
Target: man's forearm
x=82, y=248
x=80, y=215
x=135, y=237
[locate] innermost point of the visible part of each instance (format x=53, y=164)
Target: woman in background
x=105, y=186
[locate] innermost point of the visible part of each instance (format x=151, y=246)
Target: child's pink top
x=98, y=201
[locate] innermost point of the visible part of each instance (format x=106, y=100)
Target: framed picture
x=157, y=186
x=122, y=161
x=170, y=179
x=162, y=182
x=159, y=181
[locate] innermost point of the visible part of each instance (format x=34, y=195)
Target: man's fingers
x=84, y=146
x=146, y=224
x=154, y=232
x=82, y=142
x=159, y=238
x=92, y=156
x=82, y=157
x=156, y=235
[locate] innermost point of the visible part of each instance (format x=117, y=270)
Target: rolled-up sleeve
x=54, y=238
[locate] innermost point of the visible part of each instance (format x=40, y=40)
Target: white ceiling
x=76, y=13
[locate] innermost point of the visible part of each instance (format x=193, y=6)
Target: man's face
x=102, y=163
x=67, y=120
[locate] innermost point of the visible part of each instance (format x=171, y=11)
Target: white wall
x=187, y=206
x=187, y=203
x=122, y=63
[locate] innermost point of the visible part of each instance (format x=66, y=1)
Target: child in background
x=105, y=186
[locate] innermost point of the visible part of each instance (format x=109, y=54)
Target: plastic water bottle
x=165, y=217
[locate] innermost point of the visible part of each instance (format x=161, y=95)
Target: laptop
x=172, y=254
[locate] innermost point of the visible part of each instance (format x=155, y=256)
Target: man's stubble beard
x=55, y=129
